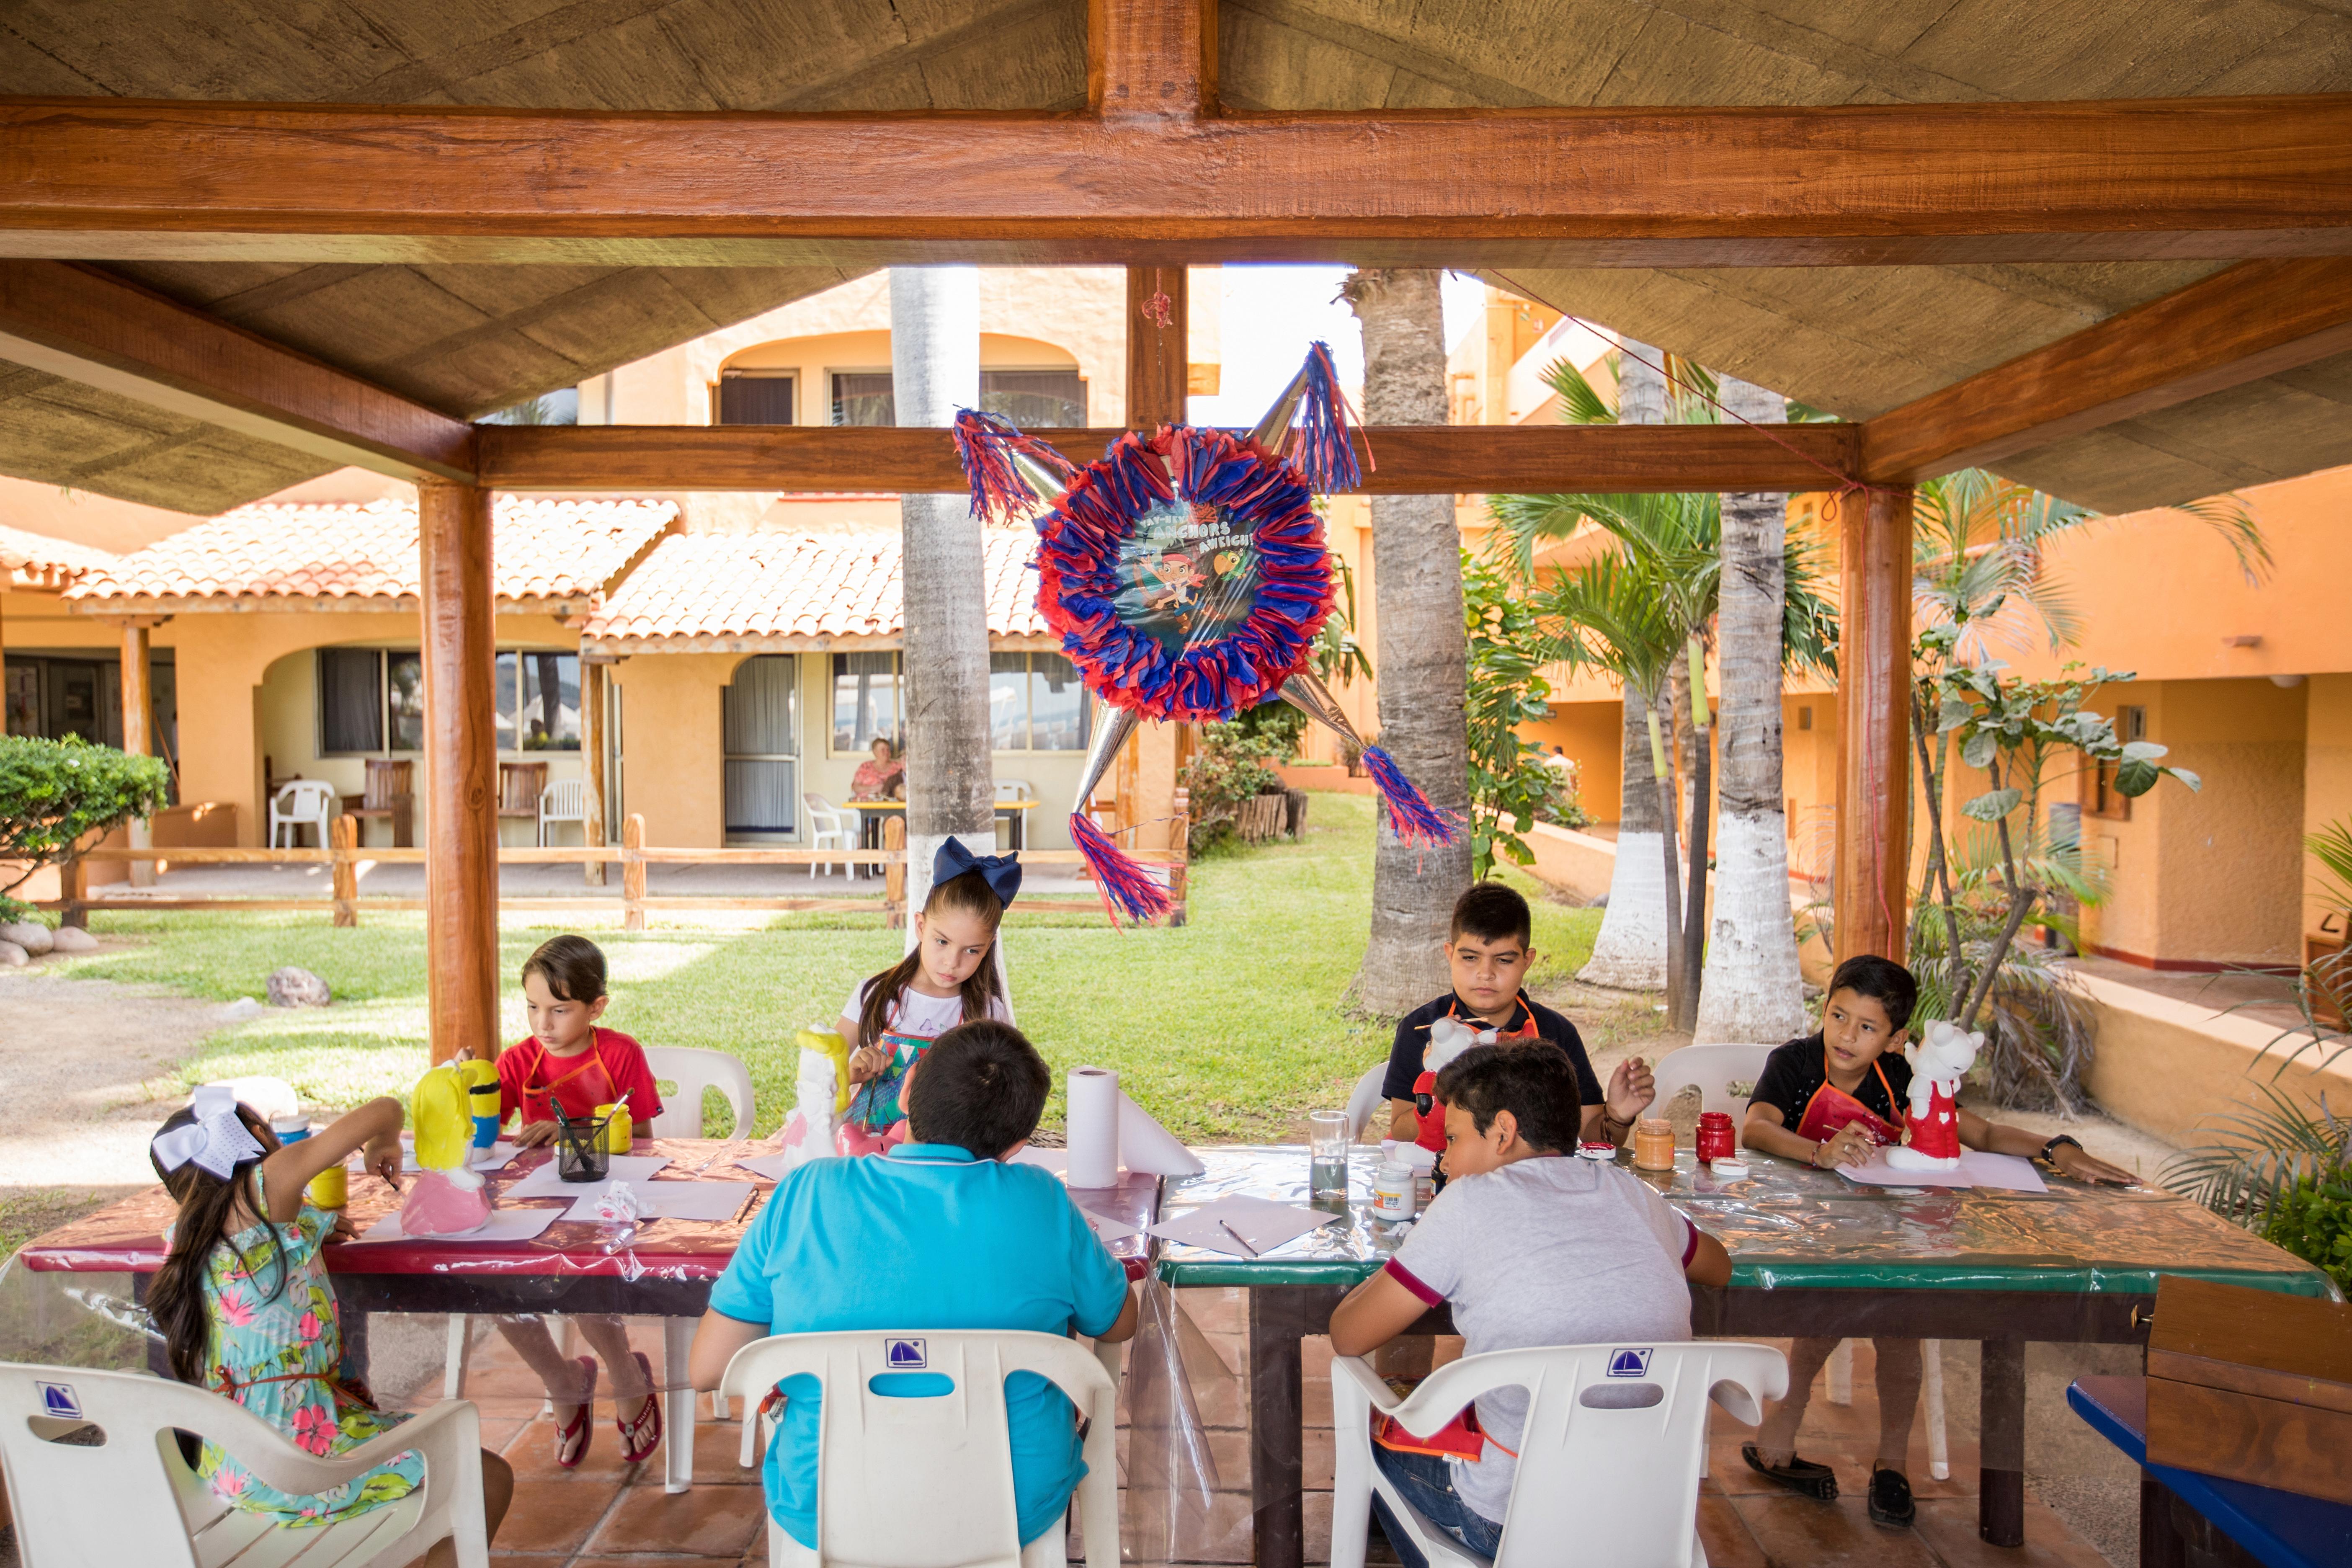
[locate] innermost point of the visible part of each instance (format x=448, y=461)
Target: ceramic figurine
x=824, y=1090
x=447, y=1196
x=1938, y=1065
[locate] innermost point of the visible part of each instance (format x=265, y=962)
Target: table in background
x=869, y=822
x=2280, y=1529
x=665, y=1269
x=1812, y=1253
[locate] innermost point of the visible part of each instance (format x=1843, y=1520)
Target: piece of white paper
x=711, y=1201
x=543, y=1183
x=1110, y=1229
x=1148, y=1148
x=1259, y=1226
x=772, y=1166
x=490, y=1158
x=506, y=1226
x=1978, y=1168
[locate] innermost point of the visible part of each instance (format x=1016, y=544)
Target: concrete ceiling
x=469, y=340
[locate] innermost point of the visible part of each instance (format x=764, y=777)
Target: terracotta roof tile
x=754, y=586
x=540, y=550
x=37, y=560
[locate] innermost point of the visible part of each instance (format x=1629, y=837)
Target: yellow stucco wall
x=2327, y=775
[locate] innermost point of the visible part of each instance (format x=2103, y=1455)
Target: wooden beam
x=85, y=325
x=2251, y=320
x=461, y=771
x=1413, y=459
x=1874, y=739
x=138, y=731
x=1849, y=184
x=1151, y=61
x=1158, y=306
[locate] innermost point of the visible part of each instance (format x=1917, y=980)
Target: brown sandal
x=572, y=1438
x=641, y=1434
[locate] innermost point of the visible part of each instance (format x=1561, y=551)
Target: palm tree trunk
x=1676, y=978
x=1631, y=951
x=1422, y=658
x=1753, y=992
x=950, y=790
x=1698, y=773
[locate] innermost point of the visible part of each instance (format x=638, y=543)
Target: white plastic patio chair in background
x=299, y=804
x=1610, y=1458
x=1714, y=1069
x=562, y=801
x=129, y=1497
x=929, y=1481
x=1364, y=1101
x=829, y=828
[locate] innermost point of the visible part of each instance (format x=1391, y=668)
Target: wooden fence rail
x=345, y=857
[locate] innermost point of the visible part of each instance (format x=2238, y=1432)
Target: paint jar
x=330, y=1188
x=290, y=1129
x=620, y=1128
x=1653, y=1145
x=1392, y=1193
x=1716, y=1138
x=1424, y=1174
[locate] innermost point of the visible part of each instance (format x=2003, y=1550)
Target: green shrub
x=2315, y=1223
x=53, y=792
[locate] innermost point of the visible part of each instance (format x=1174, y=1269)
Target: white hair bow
x=216, y=1139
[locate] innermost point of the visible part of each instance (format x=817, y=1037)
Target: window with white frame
x=1036, y=703
x=866, y=701
x=373, y=700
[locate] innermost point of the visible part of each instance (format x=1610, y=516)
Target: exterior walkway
x=407, y=882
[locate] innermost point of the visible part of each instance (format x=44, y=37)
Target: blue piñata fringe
x=984, y=446
x=1319, y=447
x=1406, y=810
x=1125, y=885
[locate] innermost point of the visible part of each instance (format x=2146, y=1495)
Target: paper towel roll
x=1093, y=1127
x=1148, y=1148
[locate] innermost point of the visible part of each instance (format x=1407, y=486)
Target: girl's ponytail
x=175, y=1299
x=967, y=894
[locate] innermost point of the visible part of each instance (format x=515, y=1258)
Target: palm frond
x=1580, y=403
x=2331, y=846
x=2262, y=1150
x=2235, y=521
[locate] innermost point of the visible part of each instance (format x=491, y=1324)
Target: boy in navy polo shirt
x=939, y=1234
x=1489, y=953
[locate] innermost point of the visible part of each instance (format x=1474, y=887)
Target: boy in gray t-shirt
x=1529, y=1246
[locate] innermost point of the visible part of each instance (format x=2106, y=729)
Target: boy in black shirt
x=1830, y=1100
x=1488, y=951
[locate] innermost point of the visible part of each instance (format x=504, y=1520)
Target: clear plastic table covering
x=1789, y=1225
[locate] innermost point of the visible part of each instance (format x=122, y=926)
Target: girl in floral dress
x=246, y=1309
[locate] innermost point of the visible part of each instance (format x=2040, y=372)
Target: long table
x=1812, y=1253
x=664, y=1269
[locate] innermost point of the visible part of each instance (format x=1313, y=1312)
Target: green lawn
x=1228, y=1028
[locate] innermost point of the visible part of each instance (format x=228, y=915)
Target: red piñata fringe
x=1125, y=885
x=984, y=446
x=1403, y=808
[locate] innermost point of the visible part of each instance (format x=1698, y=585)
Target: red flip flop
x=572, y=1438
x=641, y=1434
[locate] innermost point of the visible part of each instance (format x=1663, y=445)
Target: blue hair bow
x=1000, y=872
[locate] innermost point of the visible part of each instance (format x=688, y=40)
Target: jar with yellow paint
x=620, y=1128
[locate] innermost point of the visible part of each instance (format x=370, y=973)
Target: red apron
x=1831, y=1108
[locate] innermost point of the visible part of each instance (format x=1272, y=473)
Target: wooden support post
x=1180, y=837
x=1157, y=334
x=461, y=823
x=592, y=764
x=1874, y=794
x=894, y=875
x=138, y=732
x=2000, y=1427
x=346, y=870
x=73, y=890
x=633, y=872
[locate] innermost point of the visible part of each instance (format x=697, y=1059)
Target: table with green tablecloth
x=1811, y=1255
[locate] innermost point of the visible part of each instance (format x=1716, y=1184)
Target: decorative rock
x=34, y=938
x=73, y=939
x=12, y=956
x=293, y=987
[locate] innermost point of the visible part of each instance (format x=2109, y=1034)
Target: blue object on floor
x=2284, y=1529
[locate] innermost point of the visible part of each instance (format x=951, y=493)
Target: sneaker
x=1890, y=1499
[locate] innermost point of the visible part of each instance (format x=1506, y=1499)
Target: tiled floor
x=606, y=1513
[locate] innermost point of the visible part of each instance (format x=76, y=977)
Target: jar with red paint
x=1716, y=1140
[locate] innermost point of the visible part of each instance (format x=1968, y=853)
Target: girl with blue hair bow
x=951, y=977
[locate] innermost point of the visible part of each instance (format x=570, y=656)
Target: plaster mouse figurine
x=1448, y=1038
x=1938, y=1065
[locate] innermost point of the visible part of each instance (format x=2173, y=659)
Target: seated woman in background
x=883, y=777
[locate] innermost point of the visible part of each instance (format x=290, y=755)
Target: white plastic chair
x=562, y=801
x=829, y=828
x=1597, y=1466
x=299, y=804
x=693, y=1071
x=130, y=1498
x=1365, y=1100
x=1014, y=789
x=929, y=1481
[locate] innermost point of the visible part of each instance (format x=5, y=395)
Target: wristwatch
x=2049, y=1154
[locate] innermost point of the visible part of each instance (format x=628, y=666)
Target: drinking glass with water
x=1327, y=1154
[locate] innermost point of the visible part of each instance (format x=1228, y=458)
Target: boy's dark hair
x=1884, y=981
x=981, y=1086
x=573, y=966
x=1533, y=1081
x=1492, y=912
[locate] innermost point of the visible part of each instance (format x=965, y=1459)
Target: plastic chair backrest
x=1711, y=1068
x=130, y=1498
x=879, y=1455
x=1365, y=1101
x=303, y=799
x=1012, y=789
x=561, y=799
x=693, y=1071
x=1596, y=1464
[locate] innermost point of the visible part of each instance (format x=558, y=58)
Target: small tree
x=1509, y=785
x=55, y=793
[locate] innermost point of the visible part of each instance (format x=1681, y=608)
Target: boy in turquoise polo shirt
x=939, y=1233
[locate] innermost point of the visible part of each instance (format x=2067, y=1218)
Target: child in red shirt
x=569, y=1061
